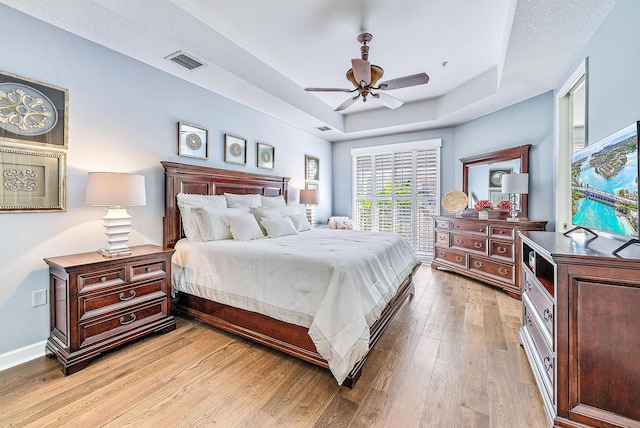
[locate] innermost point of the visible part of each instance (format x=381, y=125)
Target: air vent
x=323, y=128
x=185, y=60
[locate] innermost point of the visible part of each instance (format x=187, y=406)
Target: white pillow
x=210, y=224
x=243, y=227
x=290, y=210
x=242, y=201
x=186, y=201
x=344, y=224
x=300, y=222
x=273, y=201
x=260, y=213
x=333, y=220
x=279, y=227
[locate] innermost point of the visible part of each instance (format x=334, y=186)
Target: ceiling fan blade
x=347, y=103
x=361, y=70
x=405, y=82
x=387, y=100
x=328, y=90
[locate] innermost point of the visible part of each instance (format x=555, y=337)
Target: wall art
x=235, y=149
x=33, y=112
x=311, y=168
x=266, y=156
x=193, y=141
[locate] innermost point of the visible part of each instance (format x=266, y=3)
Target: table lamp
x=116, y=191
x=309, y=197
x=515, y=184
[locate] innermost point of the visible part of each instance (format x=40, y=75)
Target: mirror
x=481, y=175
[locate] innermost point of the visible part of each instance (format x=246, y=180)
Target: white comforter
x=334, y=282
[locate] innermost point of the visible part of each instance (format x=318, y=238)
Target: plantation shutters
x=397, y=189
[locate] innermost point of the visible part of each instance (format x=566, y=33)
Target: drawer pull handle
x=527, y=286
x=548, y=365
x=459, y=259
x=547, y=315
x=441, y=254
x=503, y=271
x=477, y=264
x=103, y=279
x=123, y=322
x=148, y=269
x=132, y=294
x=527, y=319
x=478, y=244
x=501, y=232
x=459, y=241
x=502, y=250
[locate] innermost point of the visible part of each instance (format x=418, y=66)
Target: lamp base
x=117, y=223
x=513, y=219
x=106, y=252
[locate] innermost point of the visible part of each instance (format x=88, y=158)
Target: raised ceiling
x=481, y=55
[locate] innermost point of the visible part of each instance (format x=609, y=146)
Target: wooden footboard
x=289, y=338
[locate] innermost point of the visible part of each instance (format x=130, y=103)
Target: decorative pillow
x=279, y=227
x=243, y=227
x=273, y=201
x=260, y=213
x=344, y=224
x=300, y=222
x=242, y=201
x=333, y=221
x=210, y=224
x=187, y=201
x=290, y=210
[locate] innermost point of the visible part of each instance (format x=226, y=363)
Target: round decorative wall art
x=25, y=110
x=193, y=141
x=454, y=201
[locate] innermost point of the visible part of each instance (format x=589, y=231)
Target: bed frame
x=289, y=338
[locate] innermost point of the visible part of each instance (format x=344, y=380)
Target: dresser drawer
x=442, y=225
x=101, y=279
x=501, y=249
x=545, y=358
x=116, y=323
x=454, y=257
x=502, y=232
x=504, y=272
x=478, y=227
x=540, y=300
x=146, y=271
x=442, y=238
x=91, y=304
x=469, y=243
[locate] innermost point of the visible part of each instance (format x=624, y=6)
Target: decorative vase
x=483, y=215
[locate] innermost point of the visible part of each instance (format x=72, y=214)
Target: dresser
x=99, y=303
x=486, y=250
x=580, y=328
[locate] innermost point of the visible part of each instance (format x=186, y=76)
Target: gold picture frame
x=33, y=112
x=235, y=149
x=32, y=180
x=193, y=141
x=266, y=156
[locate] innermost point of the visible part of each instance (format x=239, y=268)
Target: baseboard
x=22, y=355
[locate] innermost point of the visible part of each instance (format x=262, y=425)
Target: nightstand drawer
x=106, y=278
x=104, y=298
x=114, y=324
x=145, y=271
x=502, y=271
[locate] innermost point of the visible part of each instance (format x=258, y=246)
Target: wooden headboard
x=182, y=178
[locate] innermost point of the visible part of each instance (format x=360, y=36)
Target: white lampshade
x=515, y=183
x=113, y=189
x=309, y=197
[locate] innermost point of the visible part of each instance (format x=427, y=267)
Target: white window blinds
x=397, y=190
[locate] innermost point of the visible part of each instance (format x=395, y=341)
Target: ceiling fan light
x=376, y=74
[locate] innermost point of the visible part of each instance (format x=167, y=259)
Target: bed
x=274, y=331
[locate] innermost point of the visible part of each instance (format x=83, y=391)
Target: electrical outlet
x=39, y=298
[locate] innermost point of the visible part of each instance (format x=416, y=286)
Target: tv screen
x=604, y=184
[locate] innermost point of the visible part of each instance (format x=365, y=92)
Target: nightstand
x=99, y=303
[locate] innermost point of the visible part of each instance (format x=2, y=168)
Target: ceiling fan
x=364, y=77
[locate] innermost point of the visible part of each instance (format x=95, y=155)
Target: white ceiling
x=264, y=53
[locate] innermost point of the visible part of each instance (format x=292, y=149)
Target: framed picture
x=193, y=141
x=266, y=156
x=32, y=180
x=496, y=196
x=235, y=149
x=311, y=185
x=33, y=112
x=311, y=168
x=495, y=176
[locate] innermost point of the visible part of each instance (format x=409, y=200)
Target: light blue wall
x=122, y=117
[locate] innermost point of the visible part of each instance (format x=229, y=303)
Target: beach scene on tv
x=604, y=184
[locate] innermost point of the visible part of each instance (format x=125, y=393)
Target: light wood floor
x=450, y=358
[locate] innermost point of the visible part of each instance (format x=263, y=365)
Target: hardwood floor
x=450, y=358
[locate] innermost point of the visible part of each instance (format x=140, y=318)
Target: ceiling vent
x=323, y=128
x=185, y=60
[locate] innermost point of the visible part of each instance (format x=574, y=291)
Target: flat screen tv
x=604, y=184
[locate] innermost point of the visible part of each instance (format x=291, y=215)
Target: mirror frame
x=519, y=152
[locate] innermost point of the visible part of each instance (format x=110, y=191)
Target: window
x=397, y=189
